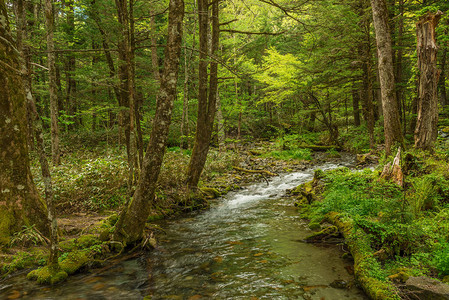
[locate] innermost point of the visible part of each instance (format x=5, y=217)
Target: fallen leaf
x=14, y=295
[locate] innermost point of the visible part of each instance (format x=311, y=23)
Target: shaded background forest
x=284, y=68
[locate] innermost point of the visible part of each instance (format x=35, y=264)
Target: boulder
x=425, y=288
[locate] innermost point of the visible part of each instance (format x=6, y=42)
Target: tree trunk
x=49, y=22
x=131, y=224
x=398, y=65
x=206, y=105
x=154, y=56
x=20, y=203
x=356, y=106
x=443, y=94
x=426, y=125
x=221, y=135
x=185, y=105
x=70, y=67
x=392, y=124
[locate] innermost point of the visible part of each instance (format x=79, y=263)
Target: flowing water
x=248, y=245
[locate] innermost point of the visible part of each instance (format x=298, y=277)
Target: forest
x=203, y=149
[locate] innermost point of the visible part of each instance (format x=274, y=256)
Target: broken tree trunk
x=427, y=49
x=393, y=171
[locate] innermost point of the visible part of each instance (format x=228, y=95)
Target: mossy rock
x=324, y=234
x=86, y=241
x=68, y=245
x=400, y=277
x=306, y=193
x=210, y=193
x=48, y=275
x=75, y=260
x=314, y=225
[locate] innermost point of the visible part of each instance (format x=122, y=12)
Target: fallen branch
x=255, y=171
x=319, y=148
x=363, y=260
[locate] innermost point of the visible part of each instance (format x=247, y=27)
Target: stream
x=248, y=245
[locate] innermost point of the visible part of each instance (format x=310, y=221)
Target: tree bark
x=392, y=124
x=398, y=64
x=442, y=81
x=206, y=103
x=131, y=224
x=154, y=56
x=20, y=203
x=70, y=67
x=426, y=125
x=50, y=25
x=356, y=106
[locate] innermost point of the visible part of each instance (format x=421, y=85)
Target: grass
x=297, y=154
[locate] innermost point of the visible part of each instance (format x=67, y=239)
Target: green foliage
x=28, y=236
x=293, y=141
x=297, y=154
x=441, y=258
x=87, y=181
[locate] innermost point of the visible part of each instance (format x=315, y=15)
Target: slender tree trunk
x=185, y=106
x=20, y=203
x=398, y=64
x=131, y=224
x=392, y=124
x=356, y=106
x=49, y=22
x=443, y=94
x=36, y=125
x=427, y=121
x=366, y=90
x=154, y=56
x=95, y=61
x=220, y=125
x=70, y=67
x=206, y=103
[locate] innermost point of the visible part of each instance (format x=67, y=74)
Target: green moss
x=112, y=219
x=68, y=245
x=47, y=275
x=210, y=193
x=323, y=234
x=105, y=235
x=87, y=240
x=6, y=221
x=314, y=225
x=20, y=261
x=82, y=242
x=306, y=193
x=75, y=260
x=155, y=217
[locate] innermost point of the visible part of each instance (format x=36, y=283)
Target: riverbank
x=397, y=233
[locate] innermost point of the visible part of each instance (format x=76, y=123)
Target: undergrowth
x=408, y=226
